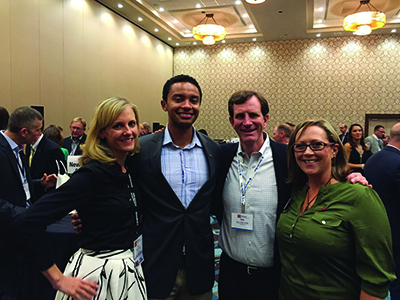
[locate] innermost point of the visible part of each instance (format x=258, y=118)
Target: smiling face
x=249, y=124
x=315, y=164
x=121, y=135
x=356, y=133
x=182, y=105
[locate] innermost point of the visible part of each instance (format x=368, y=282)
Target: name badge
x=26, y=189
x=138, y=251
x=242, y=221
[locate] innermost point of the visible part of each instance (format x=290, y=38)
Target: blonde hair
x=105, y=114
x=79, y=119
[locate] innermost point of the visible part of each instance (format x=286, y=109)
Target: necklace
x=310, y=201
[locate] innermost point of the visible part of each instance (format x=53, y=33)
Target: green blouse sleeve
x=373, y=242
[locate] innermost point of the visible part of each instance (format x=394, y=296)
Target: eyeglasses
x=314, y=146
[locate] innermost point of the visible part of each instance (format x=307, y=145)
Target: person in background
x=43, y=157
x=203, y=131
x=374, y=141
x=334, y=237
x=77, y=138
x=17, y=191
x=54, y=133
x=383, y=171
x=282, y=133
x=291, y=125
x=102, y=189
x=146, y=128
x=344, y=137
x=4, y=116
x=357, y=151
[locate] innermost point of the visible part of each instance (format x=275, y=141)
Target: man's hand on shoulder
x=358, y=178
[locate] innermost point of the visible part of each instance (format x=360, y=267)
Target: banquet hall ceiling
x=172, y=20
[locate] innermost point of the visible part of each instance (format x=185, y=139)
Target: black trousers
x=238, y=281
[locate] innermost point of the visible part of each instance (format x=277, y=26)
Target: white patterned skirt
x=114, y=272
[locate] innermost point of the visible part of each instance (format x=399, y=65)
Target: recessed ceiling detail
x=175, y=19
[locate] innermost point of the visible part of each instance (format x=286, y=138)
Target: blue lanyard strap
x=244, y=187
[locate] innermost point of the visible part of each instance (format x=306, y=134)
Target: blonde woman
x=105, y=196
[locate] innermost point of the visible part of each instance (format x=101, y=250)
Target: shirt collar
x=265, y=145
x=72, y=139
x=35, y=145
x=375, y=137
x=168, y=140
x=14, y=146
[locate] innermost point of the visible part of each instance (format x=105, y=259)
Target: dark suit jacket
x=12, y=201
x=346, y=138
x=67, y=144
x=382, y=170
x=11, y=189
x=280, y=165
x=44, y=161
x=167, y=225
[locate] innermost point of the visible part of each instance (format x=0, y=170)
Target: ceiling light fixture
x=362, y=23
x=120, y=5
x=255, y=1
x=209, y=33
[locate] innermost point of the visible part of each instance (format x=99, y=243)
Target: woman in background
x=108, y=203
x=333, y=236
x=54, y=133
x=356, y=150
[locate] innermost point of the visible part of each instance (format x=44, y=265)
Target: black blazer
x=382, y=170
x=12, y=202
x=346, y=137
x=280, y=165
x=67, y=144
x=44, y=161
x=11, y=189
x=167, y=225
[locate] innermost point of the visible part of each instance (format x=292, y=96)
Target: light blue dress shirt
x=185, y=168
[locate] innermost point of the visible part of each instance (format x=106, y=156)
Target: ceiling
x=172, y=20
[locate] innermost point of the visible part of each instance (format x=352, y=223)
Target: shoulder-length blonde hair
x=105, y=114
x=340, y=168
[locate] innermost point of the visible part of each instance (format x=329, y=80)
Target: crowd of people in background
x=294, y=223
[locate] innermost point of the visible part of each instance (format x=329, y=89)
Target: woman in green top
x=53, y=132
x=334, y=237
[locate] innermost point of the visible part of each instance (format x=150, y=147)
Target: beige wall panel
x=52, y=62
x=92, y=64
x=25, y=73
x=69, y=55
x=5, y=55
x=108, y=52
x=74, y=75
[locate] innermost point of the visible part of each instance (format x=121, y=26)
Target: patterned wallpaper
x=339, y=79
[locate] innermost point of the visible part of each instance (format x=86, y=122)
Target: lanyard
x=244, y=187
x=20, y=164
x=134, y=201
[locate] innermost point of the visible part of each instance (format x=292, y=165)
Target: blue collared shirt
x=74, y=145
x=185, y=168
